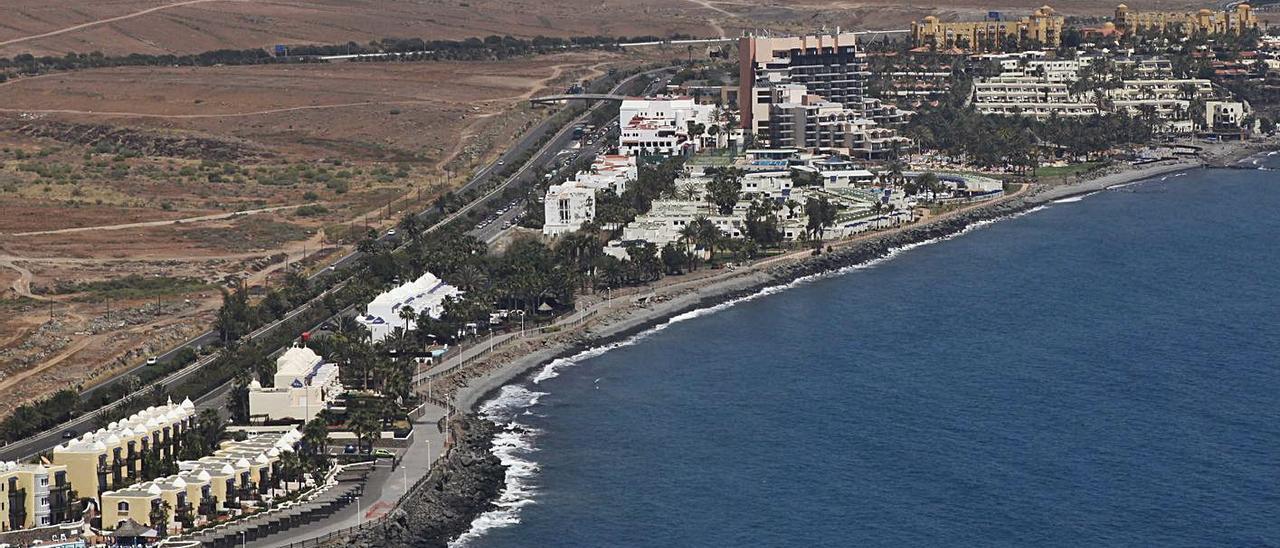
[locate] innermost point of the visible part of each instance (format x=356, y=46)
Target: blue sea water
x=1104, y=372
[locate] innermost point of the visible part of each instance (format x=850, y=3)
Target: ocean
x=1103, y=371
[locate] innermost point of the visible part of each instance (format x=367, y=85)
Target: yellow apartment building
x=33, y=495
x=1043, y=27
x=238, y=474
x=1235, y=20
x=112, y=457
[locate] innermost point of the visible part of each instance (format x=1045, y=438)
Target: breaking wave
x=511, y=446
x=516, y=443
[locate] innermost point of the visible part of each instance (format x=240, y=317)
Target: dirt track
x=106, y=20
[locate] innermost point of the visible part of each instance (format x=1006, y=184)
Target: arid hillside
x=189, y=26
x=132, y=194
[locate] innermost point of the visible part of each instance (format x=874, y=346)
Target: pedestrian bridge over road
x=547, y=99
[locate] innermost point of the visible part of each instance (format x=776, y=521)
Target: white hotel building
x=571, y=203
x=1041, y=88
x=304, y=385
x=660, y=125
x=425, y=294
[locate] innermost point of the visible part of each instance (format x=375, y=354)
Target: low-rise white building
x=425, y=294
x=304, y=385
x=1225, y=114
x=660, y=125
x=569, y=204
x=566, y=207
x=1042, y=88
x=609, y=172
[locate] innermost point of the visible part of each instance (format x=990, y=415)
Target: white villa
x=571, y=203
x=425, y=294
x=660, y=126
x=304, y=386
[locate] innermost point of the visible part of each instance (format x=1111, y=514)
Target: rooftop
x=144, y=421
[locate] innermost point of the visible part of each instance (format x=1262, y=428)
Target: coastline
x=751, y=280
x=642, y=313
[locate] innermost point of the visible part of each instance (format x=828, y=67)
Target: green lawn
x=1067, y=170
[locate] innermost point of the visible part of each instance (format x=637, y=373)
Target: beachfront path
x=383, y=488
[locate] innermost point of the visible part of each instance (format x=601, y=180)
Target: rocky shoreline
x=462, y=485
x=749, y=281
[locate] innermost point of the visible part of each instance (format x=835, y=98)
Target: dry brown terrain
x=137, y=171
x=187, y=26
x=212, y=24
x=114, y=172
x=388, y=111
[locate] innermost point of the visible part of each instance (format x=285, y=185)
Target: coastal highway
x=34, y=445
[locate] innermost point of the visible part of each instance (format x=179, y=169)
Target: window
x=44, y=520
x=44, y=482
x=122, y=506
x=44, y=501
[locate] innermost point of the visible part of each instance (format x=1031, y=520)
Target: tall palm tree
x=365, y=426
x=408, y=314
x=411, y=225
x=709, y=236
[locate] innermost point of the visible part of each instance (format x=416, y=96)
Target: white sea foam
x=1076, y=198
x=510, y=446
x=510, y=401
x=514, y=445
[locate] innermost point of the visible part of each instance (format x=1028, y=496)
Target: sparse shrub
x=311, y=210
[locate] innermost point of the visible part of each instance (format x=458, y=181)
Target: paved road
x=561, y=147
x=383, y=488
x=35, y=445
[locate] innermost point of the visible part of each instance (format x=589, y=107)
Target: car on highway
x=153, y=360
x=69, y=434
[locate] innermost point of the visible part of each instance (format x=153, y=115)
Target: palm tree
x=411, y=225
x=365, y=426
x=689, y=236
x=159, y=516
x=408, y=314
x=709, y=235
x=792, y=205
x=315, y=438
x=469, y=278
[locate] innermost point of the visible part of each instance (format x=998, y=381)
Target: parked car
x=383, y=453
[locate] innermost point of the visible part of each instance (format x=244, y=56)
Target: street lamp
x=521, y=313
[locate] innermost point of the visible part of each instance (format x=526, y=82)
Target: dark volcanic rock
x=878, y=247
x=462, y=486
